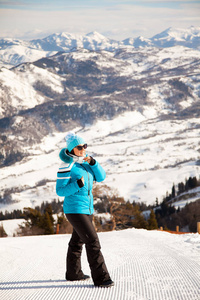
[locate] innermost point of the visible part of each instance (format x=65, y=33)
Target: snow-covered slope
x=138, y=42
x=170, y=37
x=18, y=88
x=12, y=226
x=30, y=84
x=143, y=264
x=17, y=54
x=66, y=41
x=14, y=52
x=189, y=37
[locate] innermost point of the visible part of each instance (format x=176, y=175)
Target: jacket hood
x=69, y=159
x=64, y=157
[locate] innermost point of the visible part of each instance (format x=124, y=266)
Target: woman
x=74, y=182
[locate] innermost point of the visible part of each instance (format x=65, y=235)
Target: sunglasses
x=81, y=147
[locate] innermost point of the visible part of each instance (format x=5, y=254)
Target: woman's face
x=79, y=152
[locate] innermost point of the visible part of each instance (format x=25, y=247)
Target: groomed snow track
x=145, y=265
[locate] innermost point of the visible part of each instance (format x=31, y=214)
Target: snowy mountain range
x=14, y=52
x=137, y=108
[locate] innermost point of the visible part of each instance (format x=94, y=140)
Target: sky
x=116, y=19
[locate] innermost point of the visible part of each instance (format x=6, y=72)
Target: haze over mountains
x=136, y=102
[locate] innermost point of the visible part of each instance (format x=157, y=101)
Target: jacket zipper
x=88, y=188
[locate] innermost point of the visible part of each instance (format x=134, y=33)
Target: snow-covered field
x=145, y=265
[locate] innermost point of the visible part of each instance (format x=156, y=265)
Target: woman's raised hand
x=87, y=159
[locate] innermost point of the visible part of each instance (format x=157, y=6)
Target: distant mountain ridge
x=15, y=51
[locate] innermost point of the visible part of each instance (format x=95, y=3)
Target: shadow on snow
x=13, y=285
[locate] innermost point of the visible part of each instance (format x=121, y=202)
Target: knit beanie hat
x=73, y=140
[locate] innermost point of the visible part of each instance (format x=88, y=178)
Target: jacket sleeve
x=64, y=187
x=99, y=172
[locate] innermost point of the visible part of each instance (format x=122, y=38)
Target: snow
x=143, y=187
x=125, y=120
x=145, y=265
x=22, y=85
x=17, y=54
x=167, y=58
x=11, y=226
x=20, y=89
x=195, y=195
x=179, y=34
x=68, y=41
x=105, y=217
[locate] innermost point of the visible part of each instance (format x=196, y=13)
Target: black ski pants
x=84, y=233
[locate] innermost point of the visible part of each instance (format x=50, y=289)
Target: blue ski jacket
x=78, y=200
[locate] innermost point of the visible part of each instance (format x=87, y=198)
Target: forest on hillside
x=114, y=213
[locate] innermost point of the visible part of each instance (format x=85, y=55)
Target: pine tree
x=173, y=191
x=138, y=218
x=157, y=202
x=48, y=209
x=181, y=188
x=2, y=231
x=33, y=217
x=47, y=224
x=152, y=222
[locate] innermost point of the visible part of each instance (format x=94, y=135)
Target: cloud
x=119, y=22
